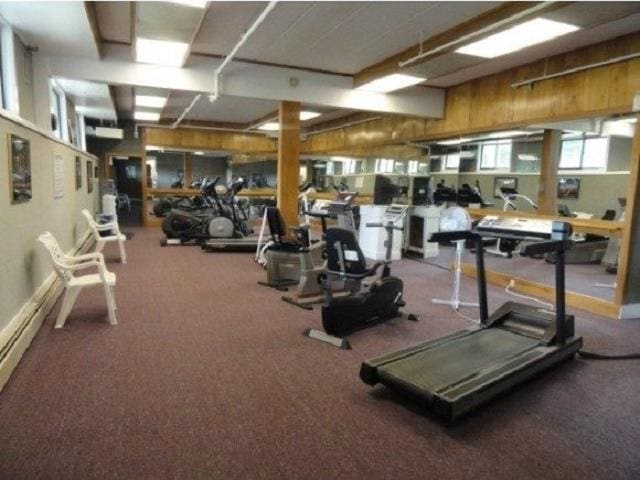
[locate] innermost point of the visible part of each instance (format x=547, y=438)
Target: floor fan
x=455, y=219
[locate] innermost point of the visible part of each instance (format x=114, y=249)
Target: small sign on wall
x=89, y=176
x=58, y=176
x=78, y=173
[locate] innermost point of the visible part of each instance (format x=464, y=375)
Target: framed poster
x=19, y=169
x=78, y=173
x=89, y=177
x=503, y=182
x=58, y=176
x=568, y=187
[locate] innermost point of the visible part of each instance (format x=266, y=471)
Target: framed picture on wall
x=89, y=176
x=568, y=187
x=503, y=182
x=19, y=169
x=78, y=173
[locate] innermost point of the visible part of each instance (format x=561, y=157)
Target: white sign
x=58, y=176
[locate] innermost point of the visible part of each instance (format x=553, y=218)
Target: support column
x=547, y=189
x=628, y=281
x=288, y=161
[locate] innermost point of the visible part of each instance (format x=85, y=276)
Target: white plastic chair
x=64, y=267
x=101, y=241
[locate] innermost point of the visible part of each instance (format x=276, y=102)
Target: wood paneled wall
x=201, y=139
x=490, y=103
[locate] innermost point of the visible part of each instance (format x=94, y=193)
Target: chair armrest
x=106, y=226
x=87, y=256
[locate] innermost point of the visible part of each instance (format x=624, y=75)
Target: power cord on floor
x=474, y=320
x=512, y=284
x=418, y=259
x=607, y=356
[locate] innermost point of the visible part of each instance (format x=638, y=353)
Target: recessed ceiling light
x=150, y=101
x=392, y=82
x=160, y=52
x=190, y=3
x=308, y=115
x=508, y=133
x=147, y=116
x=516, y=38
x=454, y=142
x=270, y=126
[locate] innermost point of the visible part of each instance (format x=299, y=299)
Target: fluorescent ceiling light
x=152, y=148
x=516, y=38
x=198, y=153
x=147, y=116
x=308, y=115
x=390, y=83
x=160, y=52
x=455, y=142
x=270, y=126
x=190, y=3
x=528, y=157
x=150, y=101
x=509, y=133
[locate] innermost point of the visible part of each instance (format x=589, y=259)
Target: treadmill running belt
x=445, y=365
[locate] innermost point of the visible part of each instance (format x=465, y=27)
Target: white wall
x=23, y=263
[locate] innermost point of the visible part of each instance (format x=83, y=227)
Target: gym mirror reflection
x=504, y=170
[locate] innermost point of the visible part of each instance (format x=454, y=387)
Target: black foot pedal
x=330, y=339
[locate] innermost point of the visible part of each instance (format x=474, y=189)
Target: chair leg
x=123, y=254
x=70, y=295
x=111, y=304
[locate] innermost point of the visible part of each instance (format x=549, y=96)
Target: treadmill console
x=518, y=227
x=394, y=212
x=343, y=200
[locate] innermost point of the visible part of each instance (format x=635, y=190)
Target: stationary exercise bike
x=382, y=298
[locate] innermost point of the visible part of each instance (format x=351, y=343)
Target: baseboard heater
x=30, y=317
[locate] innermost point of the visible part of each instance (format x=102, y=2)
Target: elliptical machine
x=181, y=226
x=382, y=298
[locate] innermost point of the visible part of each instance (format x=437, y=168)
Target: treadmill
x=454, y=374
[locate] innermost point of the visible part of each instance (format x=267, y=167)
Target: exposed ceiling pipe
x=344, y=125
x=218, y=71
x=581, y=68
x=472, y=35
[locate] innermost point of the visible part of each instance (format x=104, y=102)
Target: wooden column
x=188, y=169
x=547, y=189
x=288, y=161
x=628, y=281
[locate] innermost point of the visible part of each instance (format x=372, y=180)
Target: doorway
x=126, y=173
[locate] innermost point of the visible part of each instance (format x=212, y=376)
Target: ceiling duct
x=218, y=71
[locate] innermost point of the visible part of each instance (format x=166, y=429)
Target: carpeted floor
x=208, y=375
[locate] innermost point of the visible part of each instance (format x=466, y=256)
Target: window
x=413, y=167
x=589, y=153
x=452, y=161
x=348, y=167
x=58, y=109
x=329, y=168
x=384, y=165
x=8, y=87
x=495, y=155
x=423, y=168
